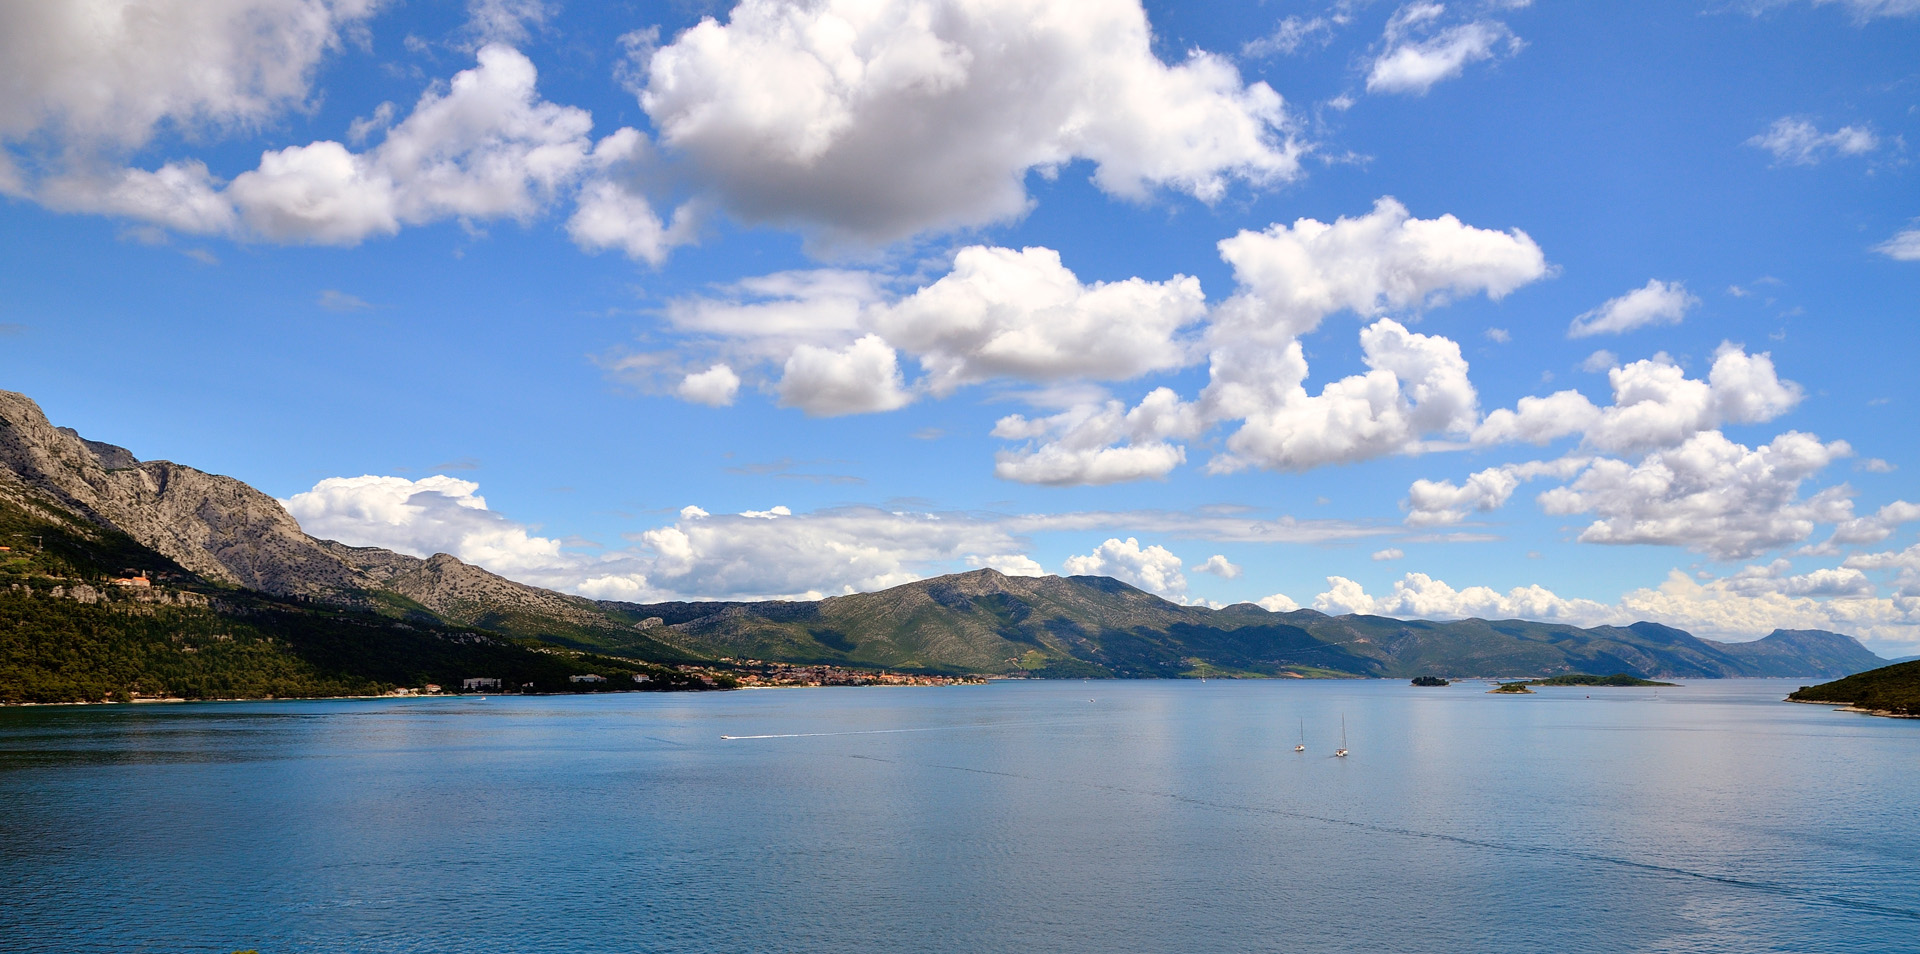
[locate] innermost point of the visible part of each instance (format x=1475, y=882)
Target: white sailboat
x=1302, y=746
x=1341, y=752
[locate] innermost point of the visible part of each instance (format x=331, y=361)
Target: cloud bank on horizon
x=1091, y=266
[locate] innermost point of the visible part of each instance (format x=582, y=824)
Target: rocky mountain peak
x=219, y=528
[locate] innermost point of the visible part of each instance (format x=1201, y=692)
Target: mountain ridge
x=220, y=535
x=1100, y=626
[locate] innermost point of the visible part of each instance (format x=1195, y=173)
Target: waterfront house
x=479, y=683
x=587, y=678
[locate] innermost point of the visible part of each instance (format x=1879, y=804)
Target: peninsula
x=1888, y=691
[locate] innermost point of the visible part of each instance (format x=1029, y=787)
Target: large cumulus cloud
x=877, y=121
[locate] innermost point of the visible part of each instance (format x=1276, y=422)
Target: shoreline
x=1850, y=707
x=476, y=695
x=418, y=695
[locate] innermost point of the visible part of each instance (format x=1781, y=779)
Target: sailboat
x=1302, y=747
x=1341, y=752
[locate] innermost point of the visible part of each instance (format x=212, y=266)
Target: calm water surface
x=1063, y=816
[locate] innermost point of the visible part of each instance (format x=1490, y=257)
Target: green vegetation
x=1582, y=679
x=1577, y=679
x=983, y=622
x=1892, y=690
x=42, y=544
x=1430, y=681
x=60, y=650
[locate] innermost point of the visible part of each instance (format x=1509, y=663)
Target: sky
x=1581, y=312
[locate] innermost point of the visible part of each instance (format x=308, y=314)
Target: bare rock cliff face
x=218, y=527
x=461, y=591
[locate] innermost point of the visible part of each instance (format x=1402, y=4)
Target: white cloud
x=1654, y=303
x=333, y=299
x=1001, y=314
x=1599, y=361
x=714, y=387
x=1709, y=495
x=437, y=514
x=878, y=121
x=95, y=79
x=1743, y=606
x=1796, y=142
x=1218, y=565
x=998, y=314
x=319, y=193
x=1079, y=442
x=862, y=378
x=182, y=196
x=1022, y=315
x=612, y=211
x=1729, y=608
x=1861, y=9
x=841, y=550
x=1778, y=577
x=763, y=554
x=1011, y=564
x=486, y=147
x=1277, y=603
x=1419, y=53
x=483, y=147
x=1431, y=503
x=1417, y=386
x=1390, y=553
x=506, y=21
x=1153, y=568
x=1440, y=503
x=766, y=316
x=1292, y=33
x=1654, y=405
x=1903, y=247
x=1657, y=405
x=1905, y=563
x=777, y=553
x=1290, y=278
x=1421, y=596
x=1872, y=529
x=1538, y=420
x=1191, y=525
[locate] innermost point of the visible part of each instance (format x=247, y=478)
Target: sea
x=1057, y=816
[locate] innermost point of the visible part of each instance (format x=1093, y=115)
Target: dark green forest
x=60, y=650
x=1894, y=689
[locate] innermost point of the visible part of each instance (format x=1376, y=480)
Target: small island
x=1577, y=679
x=1888, y=691
x=1430, y=681
x=1582, y=679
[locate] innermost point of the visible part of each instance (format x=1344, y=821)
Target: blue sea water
x=1040, y=816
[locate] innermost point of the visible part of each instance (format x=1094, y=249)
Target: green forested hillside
x=59, y=650
x=985, y=622
x=1894, y=689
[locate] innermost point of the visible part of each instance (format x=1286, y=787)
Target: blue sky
x=887, y=290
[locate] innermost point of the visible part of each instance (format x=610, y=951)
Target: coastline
x=1850, y=707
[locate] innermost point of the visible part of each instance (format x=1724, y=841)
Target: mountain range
x=78, y=515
